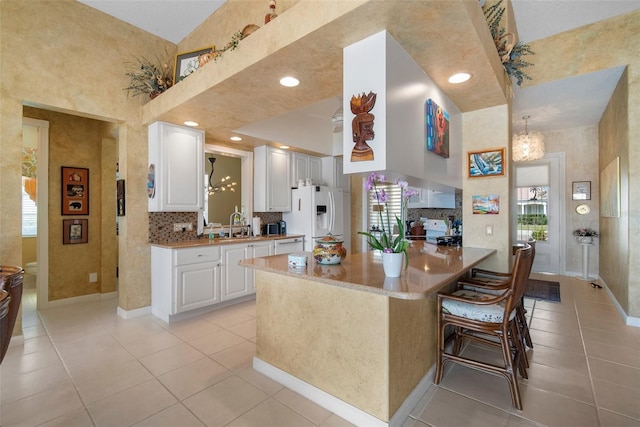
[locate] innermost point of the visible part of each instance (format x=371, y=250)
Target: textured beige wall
x=582, y=167
x=370, y=351
x=486, y=130
x=29, y=250
x=76, y=63
x=603, y=45
x=615, y=259
x=78, y=142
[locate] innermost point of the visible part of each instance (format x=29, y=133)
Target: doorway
x=36, y=152
x=539, y=208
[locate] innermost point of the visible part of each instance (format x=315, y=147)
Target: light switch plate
x=489, y=230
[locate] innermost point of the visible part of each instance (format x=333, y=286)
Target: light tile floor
x=82, y=365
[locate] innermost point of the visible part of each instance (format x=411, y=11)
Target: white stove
x=434, y=228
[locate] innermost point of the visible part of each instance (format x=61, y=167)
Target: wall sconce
x=527, y=145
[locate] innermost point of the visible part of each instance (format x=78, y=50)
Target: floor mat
x=543, y=290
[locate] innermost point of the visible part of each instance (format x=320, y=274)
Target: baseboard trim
x=339, y=407
x=136, y=312
x=76, y=300
x=628, y=320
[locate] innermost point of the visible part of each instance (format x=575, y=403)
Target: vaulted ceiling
x=575, y=102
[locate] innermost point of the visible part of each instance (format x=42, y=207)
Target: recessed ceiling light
x=285, y=147
x=235, y=138
x=459, y=78
x=190, y=123
x=289, y=81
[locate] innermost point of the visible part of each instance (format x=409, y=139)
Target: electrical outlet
x=489, y=230
x=93, y=277
x=183, y=226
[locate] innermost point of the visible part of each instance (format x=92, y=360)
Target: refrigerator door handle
x=299, y=204
x=332, y=212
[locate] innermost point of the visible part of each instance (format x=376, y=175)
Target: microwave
x=271, y=229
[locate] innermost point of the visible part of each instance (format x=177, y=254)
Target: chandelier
x=222, y=185
x=527, y=145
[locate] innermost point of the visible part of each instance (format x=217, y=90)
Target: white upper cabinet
x=306, y=167
x=427, y=198
x=175, y=175
x=332, y=173
x=271, y=180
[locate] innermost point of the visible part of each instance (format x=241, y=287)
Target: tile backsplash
x=161, y=225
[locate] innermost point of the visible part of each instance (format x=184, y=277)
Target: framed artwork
x=120, y=209
x=486, y=163
x=187, y=63
x=75, y=191
x=581, y=190
x=610, y=189
x=75, y=231
x=437, y=129
x=485, y=205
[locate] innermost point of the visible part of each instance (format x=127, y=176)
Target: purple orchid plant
x=386, y=242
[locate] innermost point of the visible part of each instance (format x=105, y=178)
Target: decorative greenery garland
x=153, y=79
x=510, y=54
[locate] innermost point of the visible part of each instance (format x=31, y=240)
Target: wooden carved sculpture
x=362, y=126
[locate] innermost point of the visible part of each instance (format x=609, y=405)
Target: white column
x=585, y=262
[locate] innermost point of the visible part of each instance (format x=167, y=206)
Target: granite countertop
x=430, y=268
x=222, y=241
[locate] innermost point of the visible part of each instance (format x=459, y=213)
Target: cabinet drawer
x=199, y=254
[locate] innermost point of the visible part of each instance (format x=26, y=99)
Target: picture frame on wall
x=120, y=207
x=188, y=62
x=437, y=129
x=75, y=231
x=581, y=190
x=486, y=204
x=74, y=188
x=485, y=163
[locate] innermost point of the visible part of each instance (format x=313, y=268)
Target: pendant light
x=527, y=145
x=223, y=185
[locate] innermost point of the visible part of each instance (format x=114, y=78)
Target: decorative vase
x=585, y=239
x=392, y=264
x=329, y=250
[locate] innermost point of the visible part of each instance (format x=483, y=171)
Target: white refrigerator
x=315, y=212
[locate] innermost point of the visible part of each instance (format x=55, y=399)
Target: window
x=533, y=205
x=29, y=213
x=393, y=204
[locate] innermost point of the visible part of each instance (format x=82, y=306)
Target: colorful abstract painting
x=437, y=129
x=485, y=204
x=486, y=163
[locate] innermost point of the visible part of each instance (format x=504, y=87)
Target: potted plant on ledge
x=585, y=235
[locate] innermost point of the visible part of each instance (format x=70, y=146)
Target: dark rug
x=543, y=290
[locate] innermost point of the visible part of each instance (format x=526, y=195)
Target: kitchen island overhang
x=345, y=333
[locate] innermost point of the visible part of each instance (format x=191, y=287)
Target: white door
x=539, y=207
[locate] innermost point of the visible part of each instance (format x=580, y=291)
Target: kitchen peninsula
x=350, y=339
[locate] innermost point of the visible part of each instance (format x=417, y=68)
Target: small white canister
x=297, y=260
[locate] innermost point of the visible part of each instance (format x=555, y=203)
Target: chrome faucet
x=232, y=219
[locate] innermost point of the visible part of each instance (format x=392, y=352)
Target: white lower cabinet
x=238, y=281
x=198, y=285
x=186, y=279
